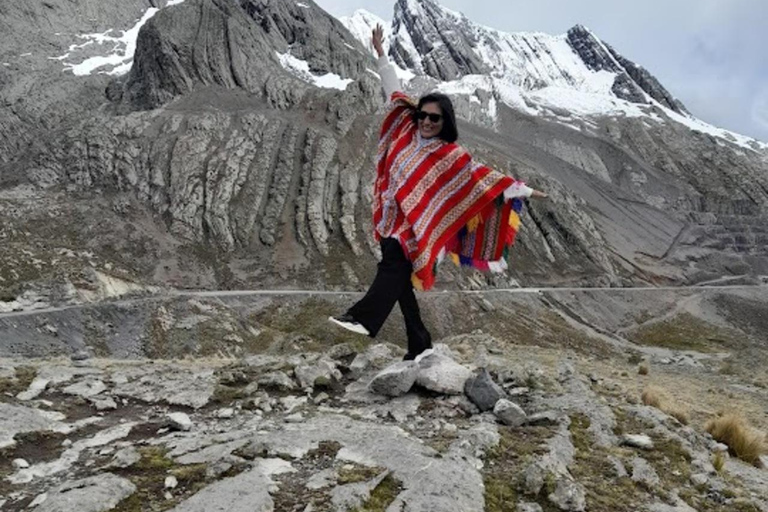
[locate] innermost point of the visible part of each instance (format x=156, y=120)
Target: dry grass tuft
x=643, y=369
x=653, y=396
x=718, y=462
x=743, y=441
x=656, y=397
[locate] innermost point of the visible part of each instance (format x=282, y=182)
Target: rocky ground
x=548, y=417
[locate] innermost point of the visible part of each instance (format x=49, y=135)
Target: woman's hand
x=377, y=39
x=538, y=194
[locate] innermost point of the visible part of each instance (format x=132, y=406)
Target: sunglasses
x=435, y=118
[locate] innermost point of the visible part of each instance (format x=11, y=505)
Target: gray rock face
x=631, y=81
x=246, y=492
x=162, y=72
x=395, y=380
x=15, y=419
x=320, y=373
x=172, y=385
x=277, y=380
x=509, y=413
x=93, y=494
x=446, y=52
x=179, y=421
x=569, y=495
x=125, y=458
x=637, y=441
x=441, y=374
x=482, y=390
x=376, y=356
x=643, y=473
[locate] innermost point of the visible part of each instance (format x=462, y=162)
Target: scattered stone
x=518, y=391
x=85, y=389
x=103, y=403
x=168, y=496
x=125, y=458
x=80, y=355
x=529, y=507
x=546, y=418
x=277, y=380
x=354, y=495
x=618, y=466
x=225, y=414
x=464, y=404
x=509, y=413
x=341, y=351
x=7, y=372
x=294, y=418
x=171, y=482
x=321, y=373
x=66, y=443
x=699, y=479
x=719, y=447
x=482, y=390
x=395, y=380
x=441, y=374
x=643, y=473
x=291, y=403
x=320, y=398
x=569, y=495
x=641, y=441
x=20, y=464
x=251, y=389
x=322, y=479
x=377, y=356
x=179, y=421
x=34, y=390
x=39, y=500
x=93, y=494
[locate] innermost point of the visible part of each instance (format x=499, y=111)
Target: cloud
x=760, y=110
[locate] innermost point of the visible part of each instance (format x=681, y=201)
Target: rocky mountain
x=213, y=144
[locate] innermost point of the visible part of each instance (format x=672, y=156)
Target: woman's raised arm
x=389, y=80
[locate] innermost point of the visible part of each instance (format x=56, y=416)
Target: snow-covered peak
x=361, y=25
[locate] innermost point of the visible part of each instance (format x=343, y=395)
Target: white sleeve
x=389, y=80
x=518, y=189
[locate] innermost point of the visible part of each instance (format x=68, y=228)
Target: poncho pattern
x=442, y=199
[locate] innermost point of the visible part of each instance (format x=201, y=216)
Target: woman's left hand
x=538, y=194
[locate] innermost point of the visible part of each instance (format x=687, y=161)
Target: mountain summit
x=535, y=73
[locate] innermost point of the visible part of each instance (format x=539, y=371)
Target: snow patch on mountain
x=361, y=25
x=120, y=59
x=300, y=69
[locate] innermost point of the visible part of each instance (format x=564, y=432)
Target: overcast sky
x=711, y=54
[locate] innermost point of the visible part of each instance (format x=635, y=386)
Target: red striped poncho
x=430, y=195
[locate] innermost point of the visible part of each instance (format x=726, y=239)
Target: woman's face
x=430, y=120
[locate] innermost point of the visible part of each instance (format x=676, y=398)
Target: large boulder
x=509, y=413
x=482, y=390
x=395, y=380
x=442, y=374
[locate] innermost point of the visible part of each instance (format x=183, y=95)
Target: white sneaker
x=349, y=324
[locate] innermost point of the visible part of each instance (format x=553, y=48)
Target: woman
x=429, y=199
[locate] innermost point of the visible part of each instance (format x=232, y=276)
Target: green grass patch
x=383, y=495
x=24, y=377
x=505, y=462
x=685, y=332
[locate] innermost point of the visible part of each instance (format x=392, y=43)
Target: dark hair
x=449, y=133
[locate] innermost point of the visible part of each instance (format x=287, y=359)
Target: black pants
x=393, y=284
